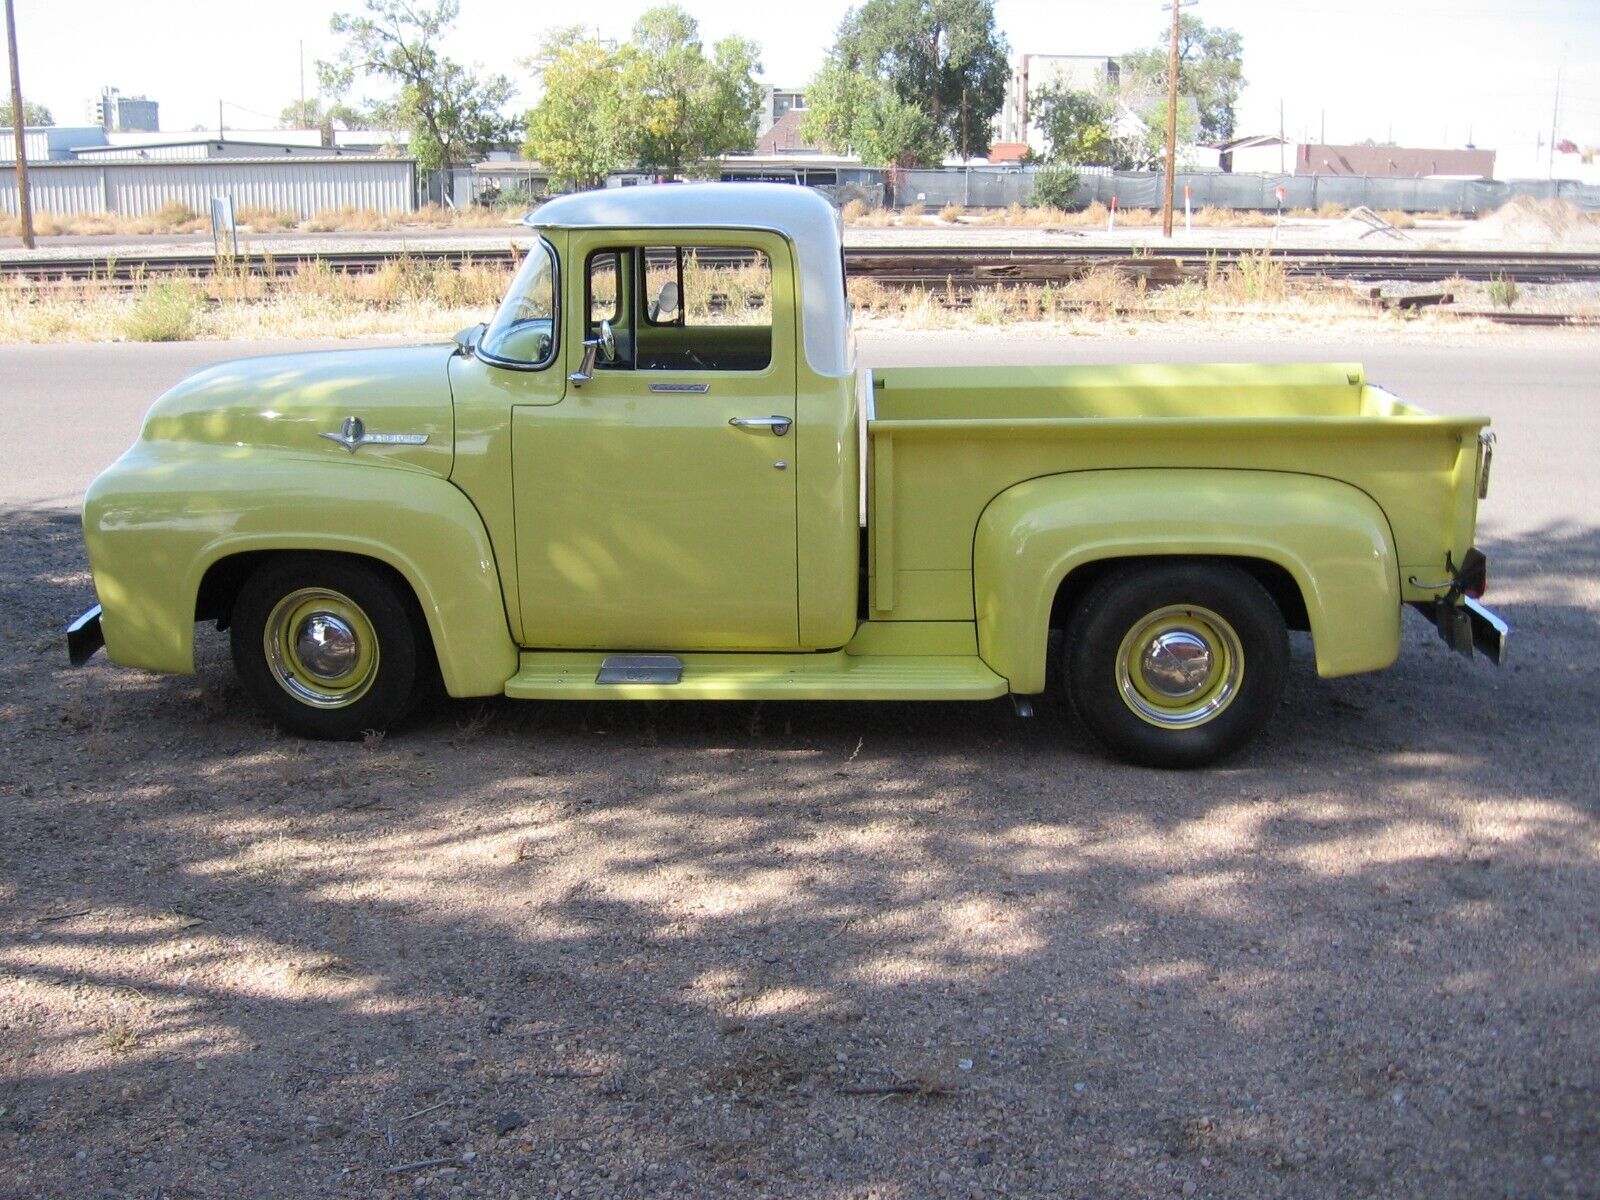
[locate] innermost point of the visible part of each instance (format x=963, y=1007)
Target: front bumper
x=84, y=636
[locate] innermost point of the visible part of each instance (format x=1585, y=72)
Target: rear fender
x=164, y=514
x=1331, y=538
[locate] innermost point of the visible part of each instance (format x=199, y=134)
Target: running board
x=584, y=675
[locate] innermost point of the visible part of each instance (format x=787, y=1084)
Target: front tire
x=1176, y=664
x=326, y=645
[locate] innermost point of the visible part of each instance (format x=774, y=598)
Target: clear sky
x=1429, y=70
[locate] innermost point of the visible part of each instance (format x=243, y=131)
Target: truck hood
x=291, y=401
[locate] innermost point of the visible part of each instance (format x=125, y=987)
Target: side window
x=705, y=308
x=607, y=301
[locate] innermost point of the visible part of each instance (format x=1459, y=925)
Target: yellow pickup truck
x=658, y=473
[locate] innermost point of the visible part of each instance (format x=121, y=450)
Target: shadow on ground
x=838, y=950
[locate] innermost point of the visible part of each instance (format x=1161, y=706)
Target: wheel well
x=1277, y=582
x=225, y=578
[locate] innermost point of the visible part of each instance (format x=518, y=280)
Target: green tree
x=1210, y=70
x=685, y=108
x=32, y=114
x=851, y=112
x=580, y=127
x=944, y=58
x=1078, y=126
x=453, y=113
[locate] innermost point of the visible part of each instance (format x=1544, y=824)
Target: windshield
x=523, y=330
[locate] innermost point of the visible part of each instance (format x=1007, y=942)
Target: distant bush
x=167, y=312
x=1054, y=186
x=951, y=213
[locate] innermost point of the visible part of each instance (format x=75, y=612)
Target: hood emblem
x=353, y=435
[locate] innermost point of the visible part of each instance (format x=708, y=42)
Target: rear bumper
x=1490, y=632
x=84, y=637
x=1467, y=627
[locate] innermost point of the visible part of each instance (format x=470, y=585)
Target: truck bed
x=944, y=442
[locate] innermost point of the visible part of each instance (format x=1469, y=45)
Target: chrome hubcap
x=1180, y=666
x=320, y=647
x=1177, y=663
x=326, y=646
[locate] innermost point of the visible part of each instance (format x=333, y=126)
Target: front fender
x=1331, y=538
x=165, y=512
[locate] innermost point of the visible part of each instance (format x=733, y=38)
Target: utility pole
x=963, y=125
x=1555, y=116
x=1172, y=118
x=1282, y=137
x=24, y=201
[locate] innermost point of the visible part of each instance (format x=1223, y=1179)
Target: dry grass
x=404, y=296
x=118, y=1037
x=952, y=213
x=423, y=299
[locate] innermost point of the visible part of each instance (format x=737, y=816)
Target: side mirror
x=605, y=344
x=666, y=305
x=467, y=338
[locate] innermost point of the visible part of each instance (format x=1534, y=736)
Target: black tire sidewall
x=1117, y=602
x=393, y=688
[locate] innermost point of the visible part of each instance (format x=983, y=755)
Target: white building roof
x=796, y=213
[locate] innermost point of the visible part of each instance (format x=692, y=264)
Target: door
x=656, y=503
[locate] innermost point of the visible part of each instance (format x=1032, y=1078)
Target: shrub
x=1054, y=186
x=1503, y=292
x=165, y=313
x=853, y=211
x=951, y=213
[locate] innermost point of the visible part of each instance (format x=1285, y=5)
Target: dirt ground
x=835, y=951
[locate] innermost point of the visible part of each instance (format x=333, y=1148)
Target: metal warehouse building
x=299, y=185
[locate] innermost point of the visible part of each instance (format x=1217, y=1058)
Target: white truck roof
x=797, y=213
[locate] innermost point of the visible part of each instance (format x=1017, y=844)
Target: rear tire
x=326, y=645
x=1176, y=664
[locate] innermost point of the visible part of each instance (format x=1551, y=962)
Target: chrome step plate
x=641, y=668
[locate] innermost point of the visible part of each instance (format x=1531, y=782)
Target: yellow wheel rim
x=1179, y=666
x=321, y=647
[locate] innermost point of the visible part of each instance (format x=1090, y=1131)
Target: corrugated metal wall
x=300, y=185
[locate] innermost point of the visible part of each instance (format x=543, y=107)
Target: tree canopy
x=911, y=80
x=689, y=108
x=657, y=101
x=454, y=113
x=1078, y=126
x=579, y=128
x=1210, y=70
x=32, y=114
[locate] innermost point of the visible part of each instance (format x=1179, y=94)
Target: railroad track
x=909, y=266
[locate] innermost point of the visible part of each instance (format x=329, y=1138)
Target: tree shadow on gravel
x=828, y=950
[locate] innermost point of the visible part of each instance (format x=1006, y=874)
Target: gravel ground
x=802, y=951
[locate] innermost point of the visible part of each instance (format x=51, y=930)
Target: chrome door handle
x=778, y=425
